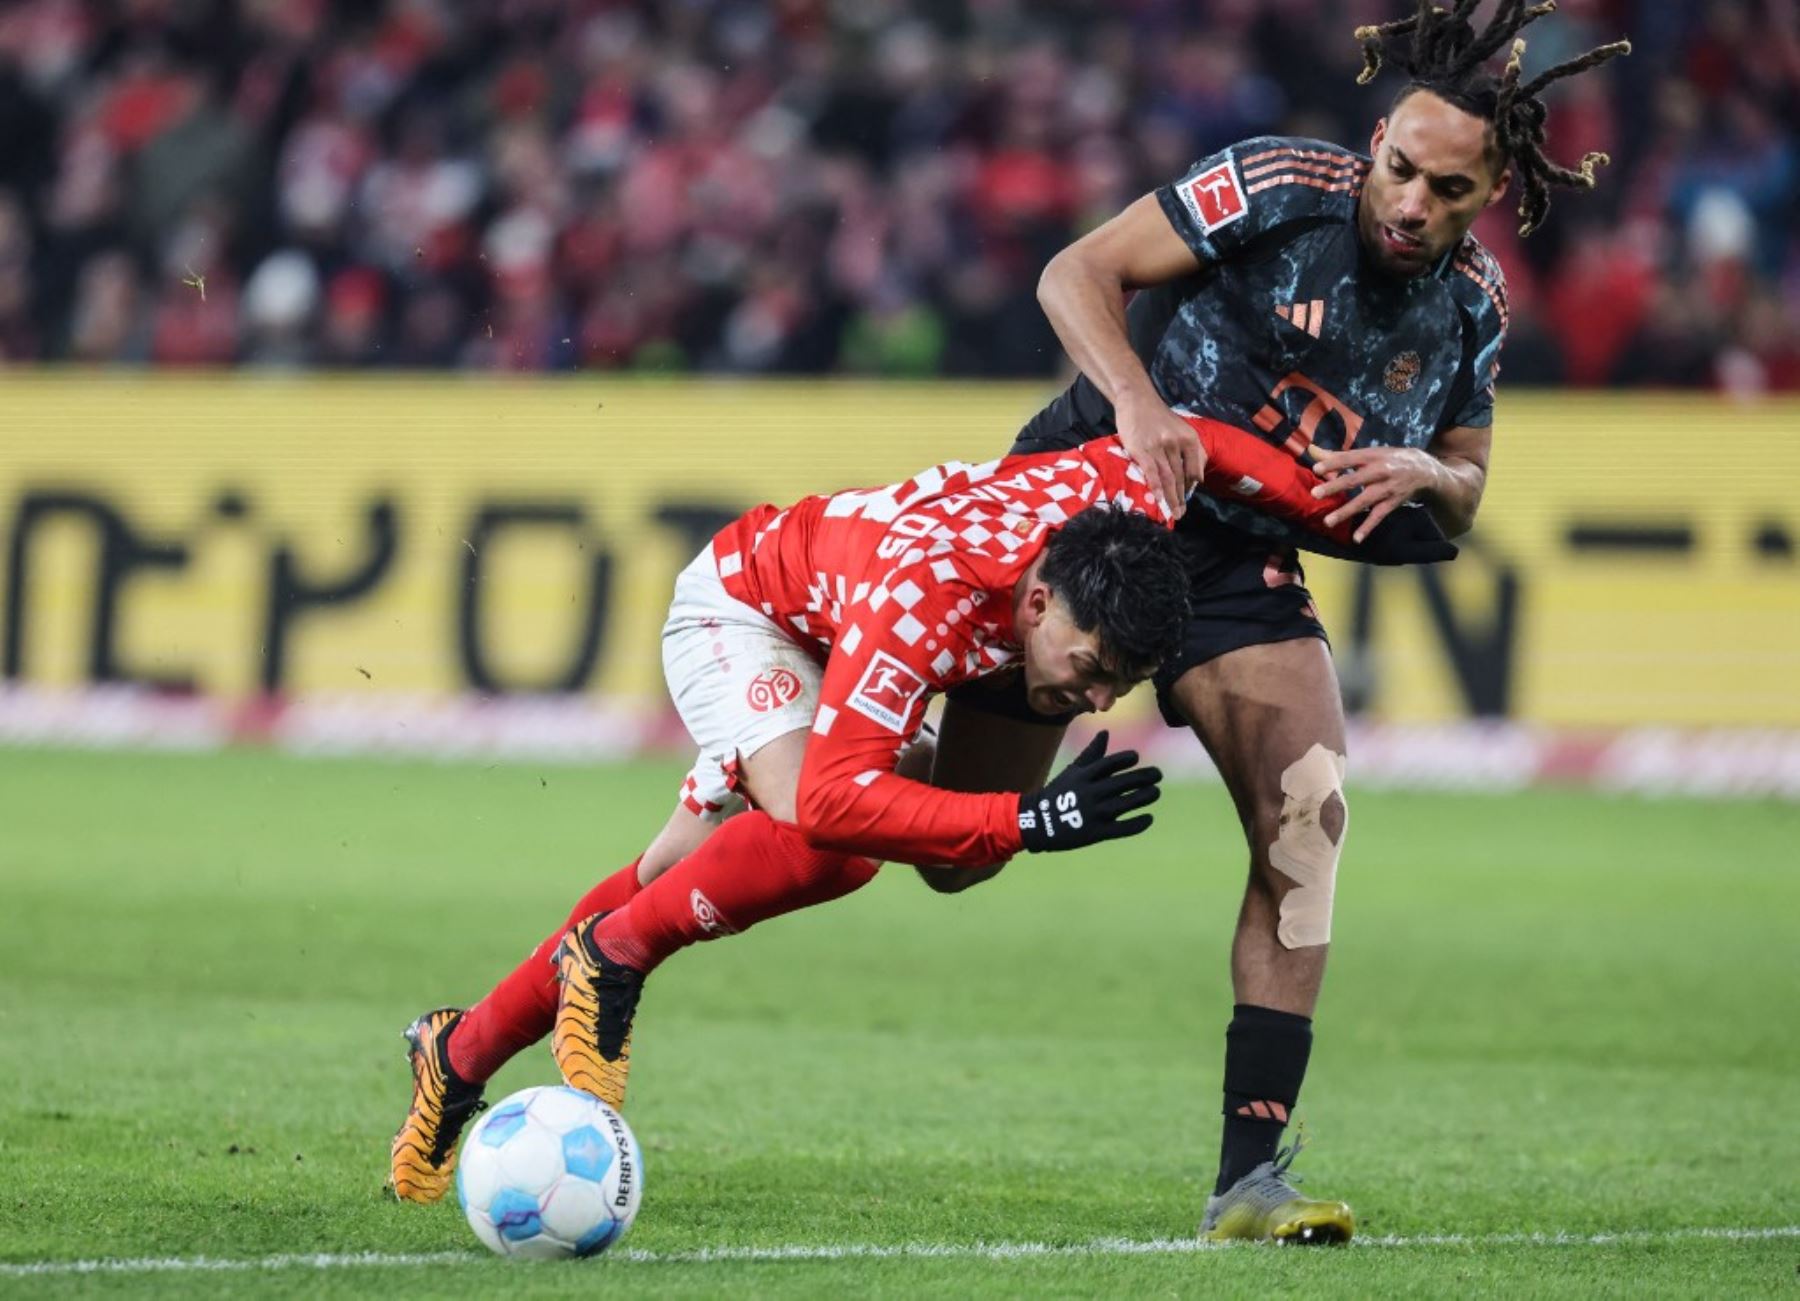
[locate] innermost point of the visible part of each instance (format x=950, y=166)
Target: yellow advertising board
x=1635, y=561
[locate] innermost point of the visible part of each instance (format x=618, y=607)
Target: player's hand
x=1165, y=447
x=1387, y=477
x=1087, y=802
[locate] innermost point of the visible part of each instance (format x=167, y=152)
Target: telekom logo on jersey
x=886, y=692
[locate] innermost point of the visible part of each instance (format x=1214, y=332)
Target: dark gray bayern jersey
x=1291, y=330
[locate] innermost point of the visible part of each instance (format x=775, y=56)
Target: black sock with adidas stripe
x=1265, y=1061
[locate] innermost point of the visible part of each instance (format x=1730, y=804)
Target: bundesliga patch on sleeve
x=1214, y=198
x=886, y=692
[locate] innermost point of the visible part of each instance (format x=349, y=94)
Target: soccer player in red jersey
x=801, y=649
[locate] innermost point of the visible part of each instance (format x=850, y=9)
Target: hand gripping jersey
x=901, y=592
x=1289, y=330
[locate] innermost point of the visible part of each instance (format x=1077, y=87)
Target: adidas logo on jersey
x=1305, y=316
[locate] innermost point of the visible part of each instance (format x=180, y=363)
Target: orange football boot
x=423, y=1156
x=592, y=1037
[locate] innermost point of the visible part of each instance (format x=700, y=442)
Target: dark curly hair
x=1441, y=50
x=1121, y=575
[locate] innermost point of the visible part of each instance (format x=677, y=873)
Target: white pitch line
x=223, y=1264
x=873, y=1251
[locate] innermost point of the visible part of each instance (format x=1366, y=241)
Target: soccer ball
x=550, y=1173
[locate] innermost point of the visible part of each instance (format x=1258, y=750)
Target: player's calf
x=752, y=869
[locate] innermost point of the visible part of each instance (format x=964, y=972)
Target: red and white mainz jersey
x=902, y=592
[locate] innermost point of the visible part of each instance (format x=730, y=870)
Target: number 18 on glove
x=1087, y=802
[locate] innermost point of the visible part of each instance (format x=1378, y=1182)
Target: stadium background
x=614, y=196
x=370, y=368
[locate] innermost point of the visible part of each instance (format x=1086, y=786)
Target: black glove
x=1086, y=802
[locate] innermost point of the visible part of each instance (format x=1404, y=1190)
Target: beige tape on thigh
x=1304, y=852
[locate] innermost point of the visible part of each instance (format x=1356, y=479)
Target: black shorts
x=1242, y=591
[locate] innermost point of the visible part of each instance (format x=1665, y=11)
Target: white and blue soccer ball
x=550, y=1173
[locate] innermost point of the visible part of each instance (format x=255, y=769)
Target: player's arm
x=872, y=699
x=1082, y=291
x=851, y=798
x=1448, y=477
x=878, y=813
x=1462, y=457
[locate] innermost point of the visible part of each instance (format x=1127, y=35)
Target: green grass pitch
x=1546, y=1014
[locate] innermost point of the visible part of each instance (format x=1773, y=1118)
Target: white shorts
x=737, y=682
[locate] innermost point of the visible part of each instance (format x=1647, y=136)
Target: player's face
x=1064, y=670
x=1432, y=176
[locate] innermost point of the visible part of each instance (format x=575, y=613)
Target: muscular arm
x=1082, y=291
x=1462, y=456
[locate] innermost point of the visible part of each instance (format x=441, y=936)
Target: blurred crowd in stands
x=800, y=186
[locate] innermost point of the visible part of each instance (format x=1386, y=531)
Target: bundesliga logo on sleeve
x=1214, y=197
x=887, y=691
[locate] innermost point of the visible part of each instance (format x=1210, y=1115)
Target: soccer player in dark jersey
x=1337, y=304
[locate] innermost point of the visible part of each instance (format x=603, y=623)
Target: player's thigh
x=681, y=835
x=1253, y=675
x=979, y=750
x=1261, y=711
x=746, y=694
x=769, y=778
x=748, y=697
x=770, y=775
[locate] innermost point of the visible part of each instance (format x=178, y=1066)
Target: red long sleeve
x=904, y=644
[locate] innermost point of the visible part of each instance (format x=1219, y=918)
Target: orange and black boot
x=423, y=1156
x=592, y=1037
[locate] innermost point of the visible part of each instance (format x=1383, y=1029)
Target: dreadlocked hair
x=1441, y=50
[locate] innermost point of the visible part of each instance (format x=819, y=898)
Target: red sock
x=751, y=869
x=521, y=1009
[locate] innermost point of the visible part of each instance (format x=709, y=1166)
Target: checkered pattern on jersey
x=904, y=591
x=897, y=563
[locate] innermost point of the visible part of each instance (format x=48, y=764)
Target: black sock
x=1265, y=1060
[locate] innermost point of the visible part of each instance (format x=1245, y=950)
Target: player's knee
x=1334, y=818
x=1306, y=844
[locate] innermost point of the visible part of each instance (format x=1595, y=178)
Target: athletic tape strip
x=1303, y=852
